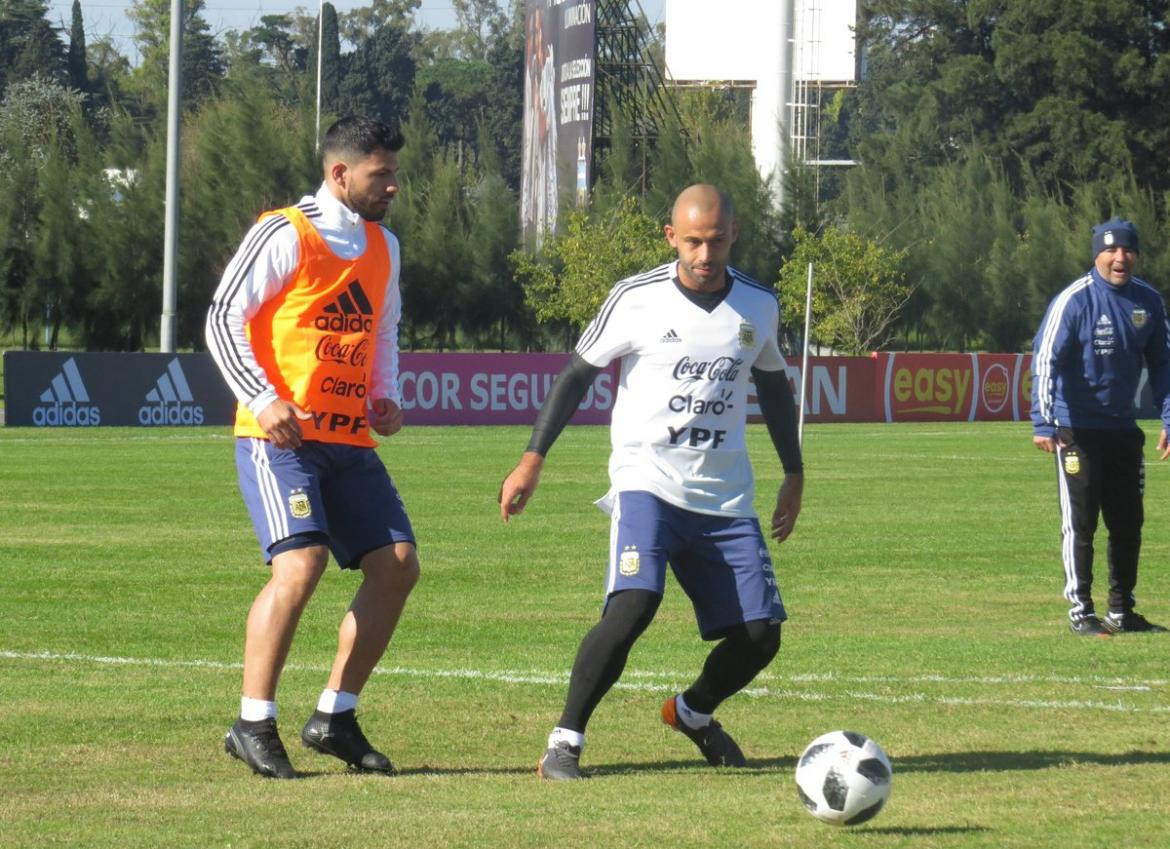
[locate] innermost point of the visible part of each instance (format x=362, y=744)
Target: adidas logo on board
x=66, y=401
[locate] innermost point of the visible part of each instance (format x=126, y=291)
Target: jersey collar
x=336, y=214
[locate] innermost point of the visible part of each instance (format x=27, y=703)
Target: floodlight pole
x=171, y=231
x=804, y=356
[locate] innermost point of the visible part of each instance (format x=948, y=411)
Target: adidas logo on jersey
x=350, y=313
x=66, y=401
x=671, y=336
x=171, y=401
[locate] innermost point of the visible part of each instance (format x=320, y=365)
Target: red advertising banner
x=838, y=389
x=471, y=389
x=953, y=387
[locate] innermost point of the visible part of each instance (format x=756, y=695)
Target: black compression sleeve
x=779, y=411
x=566, y=393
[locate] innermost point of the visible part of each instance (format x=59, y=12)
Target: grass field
x=923, y=586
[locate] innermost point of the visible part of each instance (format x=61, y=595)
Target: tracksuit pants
x=1100, y=472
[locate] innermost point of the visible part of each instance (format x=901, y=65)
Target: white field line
x=669, y=682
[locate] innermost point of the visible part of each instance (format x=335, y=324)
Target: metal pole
x=804, y=355
x=171, y=233
x=320, y=39
x=785, y=113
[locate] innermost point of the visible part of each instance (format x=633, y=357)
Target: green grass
x=923, y=585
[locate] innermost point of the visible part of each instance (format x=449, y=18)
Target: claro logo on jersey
x=351, y=312
x=66, y=401
x=171, y=402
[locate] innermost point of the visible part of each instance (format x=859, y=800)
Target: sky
x=108, y=17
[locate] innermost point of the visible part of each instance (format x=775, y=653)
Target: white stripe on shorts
x=269, y=491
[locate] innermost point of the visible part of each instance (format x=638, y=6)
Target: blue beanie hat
x=1112, y=233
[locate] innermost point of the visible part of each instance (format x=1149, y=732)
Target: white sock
x=337, y=701
x=692, y=718
x=564, y=735
x=254, y=710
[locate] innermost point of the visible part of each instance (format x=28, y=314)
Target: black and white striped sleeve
x=263, y=265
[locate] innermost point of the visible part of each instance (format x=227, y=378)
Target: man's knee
x=395, y=567
x=295, y=572
x=761, y=639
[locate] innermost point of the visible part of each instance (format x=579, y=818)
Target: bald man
x=687, y=334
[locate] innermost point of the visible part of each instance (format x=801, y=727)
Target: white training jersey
x=680, y=412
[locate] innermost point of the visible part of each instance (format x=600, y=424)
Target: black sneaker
x=1088, y=626
x=715, y=743
x=1130, y=622
x=258, y=745
x=338, y=734
x=560, y=762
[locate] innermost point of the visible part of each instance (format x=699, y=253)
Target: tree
x=572, y=276
x=859, y=289
x=1065, y=89
x=29, y=45
x=378, y=76
x=202, y=61
x=76, y=66
x=43, y=139
x=330, y=59
x=478, y=21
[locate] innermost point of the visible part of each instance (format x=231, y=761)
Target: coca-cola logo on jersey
x=331, y=350
x=718, y=369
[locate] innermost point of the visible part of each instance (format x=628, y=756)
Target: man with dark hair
x=687, y=335
x=1086, y=366
x=304, y=328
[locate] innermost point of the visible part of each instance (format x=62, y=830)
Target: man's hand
x=1163, y=445
x=281, y=420
x=519, y=485
x=1045, y=443
x=787, y=506
x=385, y=417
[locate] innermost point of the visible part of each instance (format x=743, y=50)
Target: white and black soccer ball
x=843, y=778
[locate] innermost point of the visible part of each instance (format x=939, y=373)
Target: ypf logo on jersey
x=171, y=402
x=66, y=401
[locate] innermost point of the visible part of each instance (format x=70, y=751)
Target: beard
x=370, y=209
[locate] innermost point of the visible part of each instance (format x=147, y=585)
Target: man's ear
x=338, y=172
x=669, y=232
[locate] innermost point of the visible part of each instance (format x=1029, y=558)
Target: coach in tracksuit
x=1086, y=367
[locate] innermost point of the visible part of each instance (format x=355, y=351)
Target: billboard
x=90, y=390
x=557, y=144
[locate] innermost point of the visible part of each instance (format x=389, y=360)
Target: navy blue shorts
x=340, y=494
x=721, y=562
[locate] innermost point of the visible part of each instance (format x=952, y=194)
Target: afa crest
x=298, y=504
x=629, y=563
x=1072, y=464
x=747, y=335
x=1140, y=317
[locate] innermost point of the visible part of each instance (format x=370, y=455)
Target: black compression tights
x=733, y=663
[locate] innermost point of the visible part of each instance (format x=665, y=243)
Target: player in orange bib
x=304, y=328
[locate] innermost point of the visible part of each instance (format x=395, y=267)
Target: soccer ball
x=843, y=778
